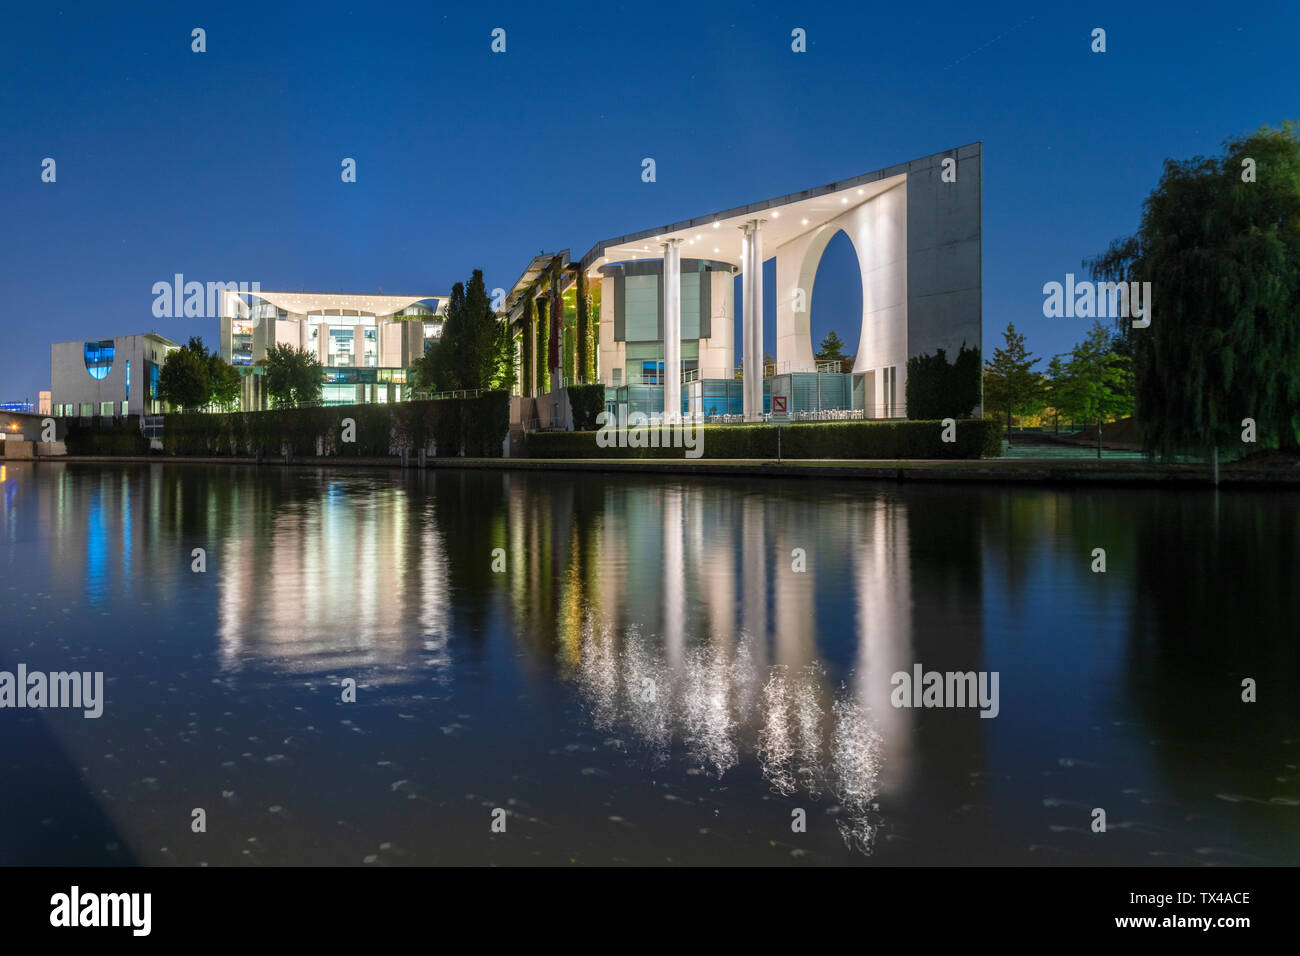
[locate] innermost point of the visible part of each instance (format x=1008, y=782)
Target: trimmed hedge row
x=106, y=436
x=475, y=427
x=587, y=401
x=976, y=438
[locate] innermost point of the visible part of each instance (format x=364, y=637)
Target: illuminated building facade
x=109, y=377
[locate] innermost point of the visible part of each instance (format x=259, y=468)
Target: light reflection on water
x=652, y=678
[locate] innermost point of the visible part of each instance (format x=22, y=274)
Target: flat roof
x=717, y=235
x=532, y=272
x=367, y=303
x=129, y=335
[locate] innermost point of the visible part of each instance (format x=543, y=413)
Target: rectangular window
x=241, y=342
x=340, y=348
x=87, y=409
x=106, y=408
x=124, y=411
x=641, y=308
x=690, y=305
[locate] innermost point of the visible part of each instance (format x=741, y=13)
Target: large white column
x=752, y=324
x=756, y=254
x=672, y=330
x=746, y=316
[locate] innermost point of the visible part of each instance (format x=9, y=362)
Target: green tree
x=292, y=376
x=938, y=389
x=1219, y=241
x=528, y=341
x=474, y=342
x=1096, y=382
x=423, y=373
x=1010, y=383
x=225, y=383
x=223, y=378
x=832, y=349
x=183, y=379
x=1058, y=396
x=504, y=373
x=583, y=303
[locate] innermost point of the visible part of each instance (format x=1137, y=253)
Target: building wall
x=71, y=383
x=632, y=314
x=878, y=230
x=918, y=250
x=717, y=352
x=944, y=300
x=613, y=354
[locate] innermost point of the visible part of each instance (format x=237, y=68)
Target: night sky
x=225, y=165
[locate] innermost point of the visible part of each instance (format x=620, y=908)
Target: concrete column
x=747, y=306
x=672, y=330
x=752, y=324
x=756, y=255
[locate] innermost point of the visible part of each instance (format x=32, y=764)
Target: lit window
x=99, y=358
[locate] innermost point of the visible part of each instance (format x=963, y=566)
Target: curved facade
x=365, y=343
x=915, y=229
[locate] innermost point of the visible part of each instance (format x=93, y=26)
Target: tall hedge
x=938, y=389
x=455, y=426
x=587, y=401
x=976, y=438
x=106, y=436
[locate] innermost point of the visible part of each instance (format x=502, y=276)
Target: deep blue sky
x=225, y=165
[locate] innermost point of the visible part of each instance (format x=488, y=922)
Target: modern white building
x=666, y=302
x=365, y=342
x=117, y=376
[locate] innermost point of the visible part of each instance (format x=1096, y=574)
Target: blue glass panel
x=99, y=358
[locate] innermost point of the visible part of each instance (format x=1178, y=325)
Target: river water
x=576, y=668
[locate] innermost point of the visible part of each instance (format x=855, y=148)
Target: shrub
x=938, y=390
x=471, y=426
x=806, y=440
x=112, y=436
x=587, y=401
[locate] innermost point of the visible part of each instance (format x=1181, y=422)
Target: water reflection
x=738, y=634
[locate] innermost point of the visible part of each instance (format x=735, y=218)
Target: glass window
x=371, y=348
x=690, y=305
x=241, y=342
x=340, y=347
x=124, y=409
x=99, y=358
x=641, y=308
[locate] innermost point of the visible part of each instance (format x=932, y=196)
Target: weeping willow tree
x=1219, y=241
